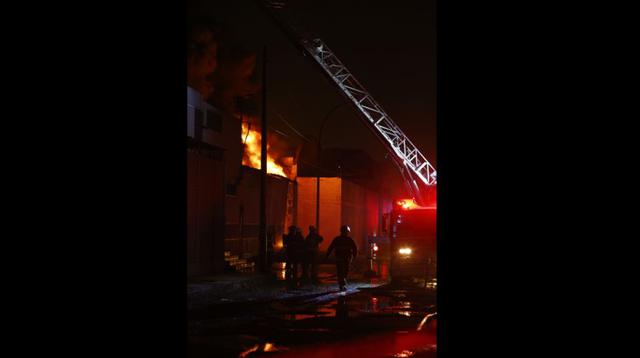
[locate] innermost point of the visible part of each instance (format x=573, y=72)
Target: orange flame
x=252, y=149
x=407, y=204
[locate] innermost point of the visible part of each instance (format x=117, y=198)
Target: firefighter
x=310, y=268
x=346, y=251
x=293, y=243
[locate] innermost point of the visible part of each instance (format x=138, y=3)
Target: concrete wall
x=205, y=199
x=214, y=157
x=217, y=129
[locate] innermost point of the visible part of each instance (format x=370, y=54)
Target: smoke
x=234, y=78
x=202, y=58
x=223, y=72
x=217, y=67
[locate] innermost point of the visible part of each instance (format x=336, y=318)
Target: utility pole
x=262, y=239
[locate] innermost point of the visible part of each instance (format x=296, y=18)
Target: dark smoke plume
x=202, y=58
x=233, y=79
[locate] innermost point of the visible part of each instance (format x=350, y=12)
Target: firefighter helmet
x=345, y=229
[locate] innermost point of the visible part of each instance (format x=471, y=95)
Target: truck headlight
x=406, y=251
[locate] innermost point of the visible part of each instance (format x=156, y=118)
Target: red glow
x=375, y=345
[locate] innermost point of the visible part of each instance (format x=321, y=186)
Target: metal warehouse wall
x=243, y=212
x=341, y=202
x=330, y=207
x=354, y=211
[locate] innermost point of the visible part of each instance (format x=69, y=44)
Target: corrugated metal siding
x=330, y=207
x=354, y=211
x=341, y=202
x=243, y=212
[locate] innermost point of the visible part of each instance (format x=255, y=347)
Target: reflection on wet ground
x=379, y=271
x=277, y=269
x=394, y=303
x=382, y=322
x=388, y=321
x=387, y=344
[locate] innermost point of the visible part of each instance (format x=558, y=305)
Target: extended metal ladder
x=411, y=161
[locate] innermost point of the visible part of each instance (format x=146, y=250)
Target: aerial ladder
x=418, y=174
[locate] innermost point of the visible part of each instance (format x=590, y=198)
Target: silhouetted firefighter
x=346, y=251
x=310, y=268
x=294, y=246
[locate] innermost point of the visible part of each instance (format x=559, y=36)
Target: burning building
x=224, y=184
x=224, y=159
x=277, y=163
x=242, y=204
x=223, y=174
x=209, y=156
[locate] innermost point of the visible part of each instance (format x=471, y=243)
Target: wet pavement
x=383, y=321
x=263, y=288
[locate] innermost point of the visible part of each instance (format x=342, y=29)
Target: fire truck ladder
x=378, y=118
x=412, y=163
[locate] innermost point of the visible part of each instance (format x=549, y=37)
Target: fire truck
x=412, y=233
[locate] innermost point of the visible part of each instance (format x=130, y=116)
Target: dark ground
x=369, y=320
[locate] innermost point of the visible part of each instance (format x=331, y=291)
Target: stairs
x=236, y=264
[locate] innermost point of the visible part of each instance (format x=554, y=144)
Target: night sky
x=390, y=48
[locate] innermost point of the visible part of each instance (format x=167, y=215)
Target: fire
x=252, y=149
x=408, y=204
